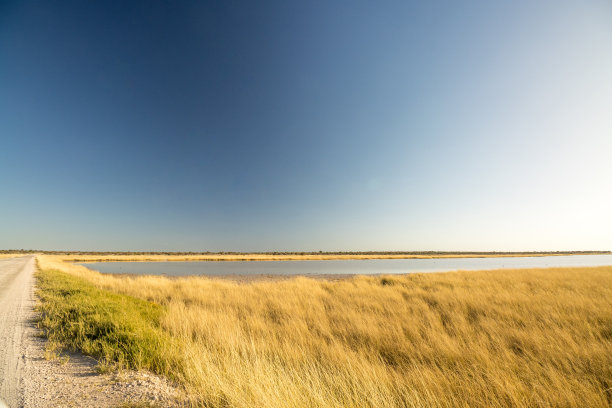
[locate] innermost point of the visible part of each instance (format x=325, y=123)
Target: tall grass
x=481, y=339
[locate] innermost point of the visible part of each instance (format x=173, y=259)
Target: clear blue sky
x=325, y=125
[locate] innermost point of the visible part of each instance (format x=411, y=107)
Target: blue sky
x=328, y=125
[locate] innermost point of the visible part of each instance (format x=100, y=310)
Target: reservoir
x=360, y=267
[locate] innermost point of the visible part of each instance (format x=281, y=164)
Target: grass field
x=518, y=338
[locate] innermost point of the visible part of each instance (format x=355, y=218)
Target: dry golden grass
x=518, y=338
x=12, y=255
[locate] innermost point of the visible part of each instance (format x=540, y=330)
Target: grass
x=11, y=255
x=119, y=330
x=519, y=338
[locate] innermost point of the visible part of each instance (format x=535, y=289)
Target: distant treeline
x=425, y=253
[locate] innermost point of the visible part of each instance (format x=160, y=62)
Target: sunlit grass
x=493, y=338
x=119, y=330
x=12, y=255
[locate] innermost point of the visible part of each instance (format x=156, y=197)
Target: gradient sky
x=323, y=125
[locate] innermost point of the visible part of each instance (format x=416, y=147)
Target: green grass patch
x=120, y=331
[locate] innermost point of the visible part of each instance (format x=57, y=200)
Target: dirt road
x=16, y=300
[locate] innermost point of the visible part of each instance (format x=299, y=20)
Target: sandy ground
x=71, y=380
x=28, y=379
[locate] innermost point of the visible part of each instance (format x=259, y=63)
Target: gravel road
x=16, y=300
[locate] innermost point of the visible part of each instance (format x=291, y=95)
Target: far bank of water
x=361, y=267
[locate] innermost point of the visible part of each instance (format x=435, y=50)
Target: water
x=370, y=266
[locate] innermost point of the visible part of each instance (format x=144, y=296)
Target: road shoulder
x=72, y=379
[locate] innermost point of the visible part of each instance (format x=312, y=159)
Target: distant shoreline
x=287, y=256
x=500, y=253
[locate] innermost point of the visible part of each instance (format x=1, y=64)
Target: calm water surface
x=370, y=266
